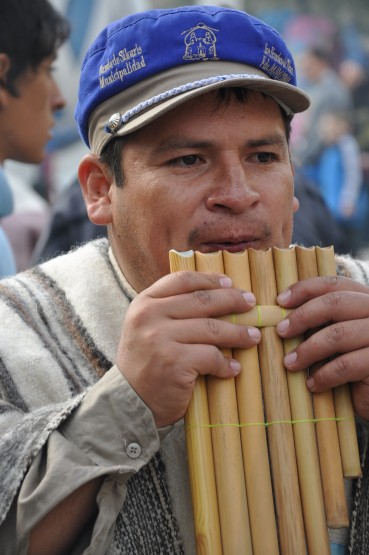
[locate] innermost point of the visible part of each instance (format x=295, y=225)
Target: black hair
x=112, y=155
x=30, y=32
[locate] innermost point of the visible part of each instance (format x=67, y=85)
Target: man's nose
x=233, y=190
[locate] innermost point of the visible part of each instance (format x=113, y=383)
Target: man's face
x=203, y=179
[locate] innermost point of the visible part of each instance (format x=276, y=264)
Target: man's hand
x=336, y=309
x=171, y=335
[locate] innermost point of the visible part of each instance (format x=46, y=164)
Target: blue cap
x=145, y=64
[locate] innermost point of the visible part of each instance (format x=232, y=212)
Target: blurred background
x=330, y=143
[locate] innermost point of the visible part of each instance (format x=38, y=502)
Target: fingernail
x=284, y=296
x=235, y=365
x=310, y=383
x=290, y=358
x=254, y=333
x=249, y=297
x=225, y=282
x=283, y=325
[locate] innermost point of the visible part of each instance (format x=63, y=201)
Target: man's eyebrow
x=276, y=139
x=178, y=143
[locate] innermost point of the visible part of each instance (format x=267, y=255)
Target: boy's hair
x=30, y=32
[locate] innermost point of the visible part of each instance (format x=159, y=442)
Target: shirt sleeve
x=112, y=433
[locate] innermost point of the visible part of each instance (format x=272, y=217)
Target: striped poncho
x=59, y=331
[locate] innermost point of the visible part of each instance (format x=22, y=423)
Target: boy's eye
x=47, y=68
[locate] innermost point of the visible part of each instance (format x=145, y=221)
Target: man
x=187, y=114
x=30, y=35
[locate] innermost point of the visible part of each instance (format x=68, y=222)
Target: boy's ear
x=295, y=204
x=95, y=183
x=4, y=68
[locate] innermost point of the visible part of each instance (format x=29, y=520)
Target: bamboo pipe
x=304, y=429
x=326, y=428
x=280, y=435
x=199, y=450
x=226, y=440
x=342, y=395
x=253, y=437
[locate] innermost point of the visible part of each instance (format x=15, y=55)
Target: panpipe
x=267, y=459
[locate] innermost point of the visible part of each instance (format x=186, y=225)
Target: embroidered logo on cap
x=200, y=42
x=120, y=65
x=278, y=66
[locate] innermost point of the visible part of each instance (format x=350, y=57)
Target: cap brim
x=138, y=107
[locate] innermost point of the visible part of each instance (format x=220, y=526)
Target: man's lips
x=231, y=246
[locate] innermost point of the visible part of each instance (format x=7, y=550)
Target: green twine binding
x=266, y=424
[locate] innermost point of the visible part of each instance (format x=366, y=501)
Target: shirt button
x=133, y=450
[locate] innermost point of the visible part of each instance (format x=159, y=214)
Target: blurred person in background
x=30, y=35
x=328, y=92
x=339, y=175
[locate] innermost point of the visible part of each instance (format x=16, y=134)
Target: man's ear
x=295, y=202
x=4, y=65
x=95, y=183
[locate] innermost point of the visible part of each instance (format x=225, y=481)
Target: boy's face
x=26, y=120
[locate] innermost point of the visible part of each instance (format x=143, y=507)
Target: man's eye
x=188, y=160
x=265, y=157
